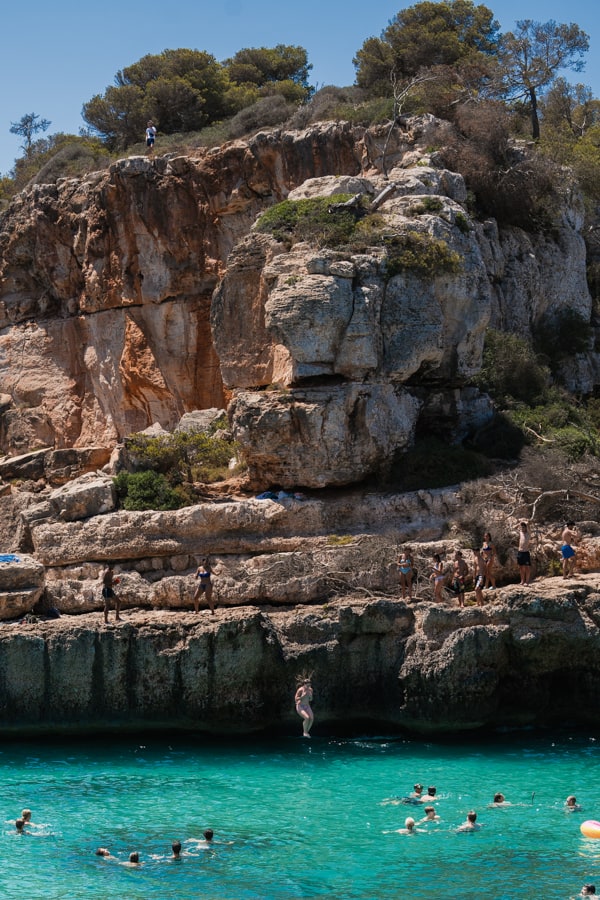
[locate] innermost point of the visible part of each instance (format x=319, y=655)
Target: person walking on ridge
x=150, y=137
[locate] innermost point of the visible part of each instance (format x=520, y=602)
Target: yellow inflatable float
x=590, y=829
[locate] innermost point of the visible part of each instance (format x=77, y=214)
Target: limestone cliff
x=531, y=657
x=135, y=295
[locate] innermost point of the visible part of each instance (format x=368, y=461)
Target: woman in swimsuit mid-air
x=303, y=699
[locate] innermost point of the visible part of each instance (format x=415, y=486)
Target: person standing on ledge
x=108, y=594
x=150, y=137
x=488, y=551
x=570, y=536
x=478, y=575
x=438, y=577
x=203, y=574
x=405, y=568
x=523, y=555
x=303, y=699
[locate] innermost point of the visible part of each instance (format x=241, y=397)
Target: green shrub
x=562, y=335
x=462, y=223
x=265, y=113
x=185, y=455
x=421, y=253
x=310, y=220
x=426, y=205
x=511, y=370
x=561, y=423
x=371, y=112
x=146, y=490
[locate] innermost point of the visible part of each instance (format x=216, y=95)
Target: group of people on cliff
x=482, y=571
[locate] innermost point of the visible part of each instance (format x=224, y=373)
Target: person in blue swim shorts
x=570, y=536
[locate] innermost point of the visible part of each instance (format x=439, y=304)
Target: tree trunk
x=535, y=122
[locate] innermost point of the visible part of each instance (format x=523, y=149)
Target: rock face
x=530, y=658
x=138, y=295
x=21, y=585
x=263, y=551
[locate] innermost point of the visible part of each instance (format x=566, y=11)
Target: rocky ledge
x=531, y=656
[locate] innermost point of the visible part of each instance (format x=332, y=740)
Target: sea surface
x=297, y=818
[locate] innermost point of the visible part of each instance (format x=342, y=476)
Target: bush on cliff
x=358, y=231
x=421, y=253
x=310, y=220
x=147, y=490
x=166, y=466
x=517, y=378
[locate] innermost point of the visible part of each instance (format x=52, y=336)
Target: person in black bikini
x=203, y=574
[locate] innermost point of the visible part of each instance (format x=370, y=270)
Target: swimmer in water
x=588, y=890
x=134, y=858
x=176, y=848
x=499, y=800
x=409, y=827
x=103, y=852
x=470, y=824
x=571, y=804
x=206, y=841
x=303, y=699
x=430, y=816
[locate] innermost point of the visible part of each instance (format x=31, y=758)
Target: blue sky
x=56, y=56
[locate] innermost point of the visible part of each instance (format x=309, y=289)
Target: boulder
x=323, y=435
x=21, y=585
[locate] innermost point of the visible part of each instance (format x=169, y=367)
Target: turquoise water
x=297, y=818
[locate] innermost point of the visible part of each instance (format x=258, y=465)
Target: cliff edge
x=532, y=656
